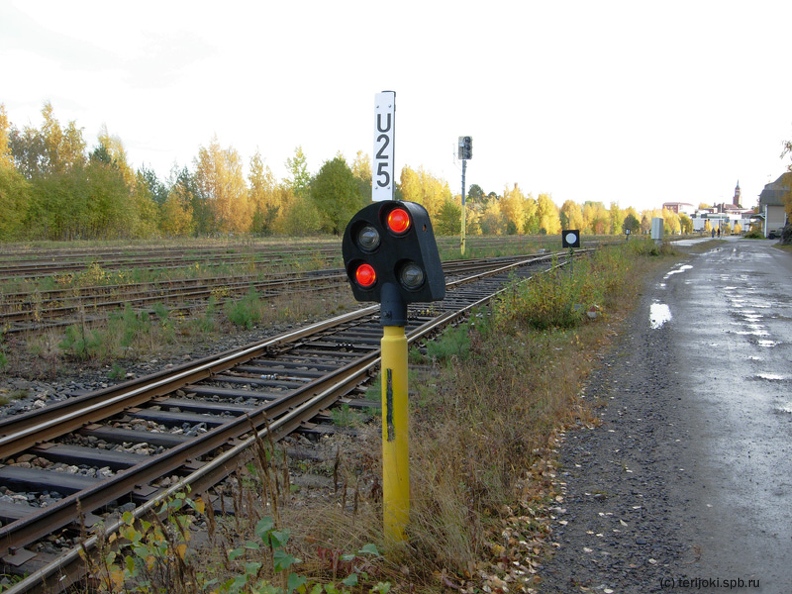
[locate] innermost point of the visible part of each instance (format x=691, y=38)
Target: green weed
x=345, y=416
x=454, y=342
x=117, y=372
x=246, y=312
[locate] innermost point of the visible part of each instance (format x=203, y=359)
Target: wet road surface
x=728, y=315
x=686, y=483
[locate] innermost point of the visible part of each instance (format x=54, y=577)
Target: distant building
x=722, y=215
x=771, y=203
x=679, y=207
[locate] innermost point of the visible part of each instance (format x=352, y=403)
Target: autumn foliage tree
x=221, y=185
x=53, y=186
x=14, y=188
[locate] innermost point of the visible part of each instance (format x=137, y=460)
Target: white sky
x=635, y=102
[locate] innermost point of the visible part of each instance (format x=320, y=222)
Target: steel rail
x=278, y=417
x=53, y=421
x=22, y=532
x=27, y=425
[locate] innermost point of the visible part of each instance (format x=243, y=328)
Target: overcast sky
x=634, y=102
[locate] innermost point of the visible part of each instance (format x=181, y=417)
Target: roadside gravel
x=616, y=528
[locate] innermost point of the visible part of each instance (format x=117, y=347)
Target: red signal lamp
x=399, y=221
x=390, y=256
x=365, y=275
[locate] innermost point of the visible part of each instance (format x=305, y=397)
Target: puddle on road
x=659, y=314
x=682, y=268
x=753, y=330
x=750, y=315
x=772, y=377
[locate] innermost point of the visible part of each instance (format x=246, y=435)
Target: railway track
x=197, y=422
x=34, y=311
x=25, y=265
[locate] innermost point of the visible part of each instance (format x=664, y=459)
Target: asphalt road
x=731, y=330
x=686, y=485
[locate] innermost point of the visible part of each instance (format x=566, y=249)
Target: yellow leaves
x=151, y=562
x=117, y=578
x=181, y=550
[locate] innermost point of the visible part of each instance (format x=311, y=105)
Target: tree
x=159, y=191
x=176, y=213
x=115, y=154
x=547, y=215
x=108, y=211
x=596, y=218
x=300, y=180
x=787, y=150
x=476, y=194
x=515, y=209
x=183, y=183
x=131, y=205
x=631, y=224
x=531, y=226
x=64, y=150
x=301, y=217
x=686, y=224
x=14, y=188
x=571, y=216
x=492, y=221
x=27, y=149
x=616, y=218
x=671, y=225
x=221, y=185
x=422, y=187
x=448, y=220
x=336, y=195
x=147, y=209
x=48, y=151
x=6, y=157
x=14, y=202
x=361, y=169
x=265, y=196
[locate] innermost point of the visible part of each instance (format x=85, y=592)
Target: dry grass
x=487, y=407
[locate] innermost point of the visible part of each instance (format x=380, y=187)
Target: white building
x=771, y=203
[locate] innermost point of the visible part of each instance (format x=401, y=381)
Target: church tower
x=736, y=199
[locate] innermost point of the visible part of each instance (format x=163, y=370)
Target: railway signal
x=391, y=257
x=570, y=238
x=465, y=150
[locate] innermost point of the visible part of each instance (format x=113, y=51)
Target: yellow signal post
x=395, y=434
x=391, y=256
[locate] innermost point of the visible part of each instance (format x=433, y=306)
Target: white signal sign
x=570, y=239
x=382, y=181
